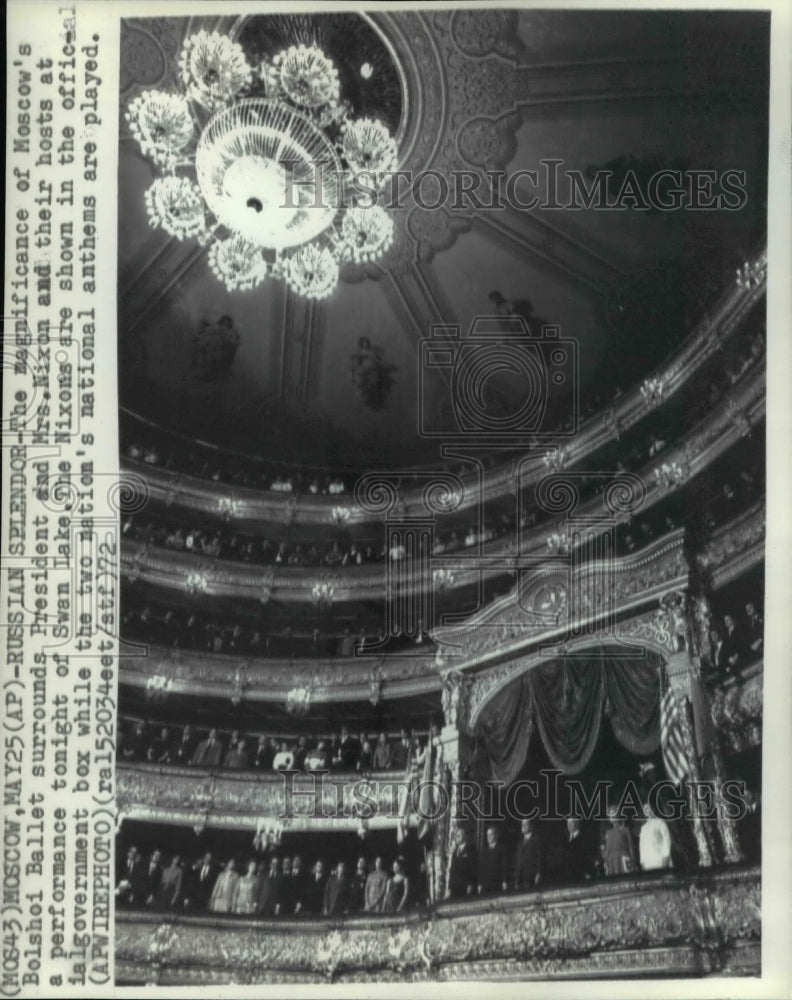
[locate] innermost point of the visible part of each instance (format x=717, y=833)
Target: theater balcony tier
x=200, y=797
x=512, y=626
x=374, y=495
x=670, y=925
x=622, y=495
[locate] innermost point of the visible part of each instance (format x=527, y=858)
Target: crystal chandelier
x=264, y=163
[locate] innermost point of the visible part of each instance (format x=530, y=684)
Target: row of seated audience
x=226, y=544
x=737, y=642
x=224, y=467
x=742, y=487
x=344, y=751
x=285, y=887
x=179, y=629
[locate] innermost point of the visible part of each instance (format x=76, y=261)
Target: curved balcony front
x=263, y=507
x=667, y=925
x=725, y=426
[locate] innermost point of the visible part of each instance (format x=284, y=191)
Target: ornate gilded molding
x=735, y=547
x=736, y=709
x=642, y=926
x=195, y=797
x=218, y=675
x=166, y=568
x=647, y=630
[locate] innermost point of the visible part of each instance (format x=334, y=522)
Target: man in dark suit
x=153, y=878
x=462, y=875
x=315, y=888
x=200, y=883
x=184, y=747
x=528, y=859
x=347, y=752
x=753, y=632
x=338, y=892
x=493, y=868
x=209, y=752
x=271, y=891
x=297, y=889
x=131, y=886
x=574, y=862
x=732, y=644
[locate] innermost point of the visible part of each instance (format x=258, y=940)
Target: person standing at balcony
x=366, y=759
x=528, y=859
x=618, y=848
x=376, y=884
x=401, y=752
x=265, y=754
x=397, y=891
x=169, y=894
x=199, y=884
x=209, y=752
x=284, y=758
x=574, y=860
x=317, y=759
x=382, y=753
x=338, y=892
x=753, y=632
x=153, y=878
x=131, y=888
x=462, y=876
x=357, y=894
x=222, y=896
x=654, y=842
x=296, y=888
x=270, y=890
x=492, y=864
x=732, y=644
x=236, y=758
x=300, y=753
x=245, y=898
x=134, y=747
x=159, y=751
x=347, y=751
x=316, y=888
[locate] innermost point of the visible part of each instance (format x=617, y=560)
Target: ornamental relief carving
x=737, y=712
x=544, y=931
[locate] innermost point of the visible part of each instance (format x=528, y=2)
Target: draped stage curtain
x=565, y=700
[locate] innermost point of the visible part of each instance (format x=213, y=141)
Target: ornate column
x=455, y=742
x=689, y=621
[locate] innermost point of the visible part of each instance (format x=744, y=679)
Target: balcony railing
x=724, y=426
x=667, y=925
x=254, y=505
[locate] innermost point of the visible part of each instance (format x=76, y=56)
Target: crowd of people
x=737, y=641
x=178, y=629
x=344, y=751
x=268, y=887
x=268, y=884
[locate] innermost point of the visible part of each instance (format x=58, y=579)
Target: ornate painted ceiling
x=474, y=90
